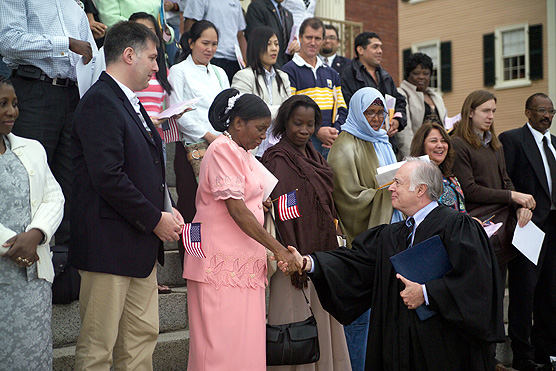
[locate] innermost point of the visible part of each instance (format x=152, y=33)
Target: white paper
x=84, y=75
x=390, y=101
x=269, y=179
x=391, y=108
x=385, y=174
x=239, y=56
x=528, y=240
x=87, y=74
x=178, y=108
x=450, y=121
x=293, y=35
x=492, y=228
x=167, y=200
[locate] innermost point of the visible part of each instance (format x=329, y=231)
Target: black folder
x=423, y=262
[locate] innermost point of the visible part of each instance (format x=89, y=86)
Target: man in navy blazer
x=122, y=211
x=529, y=152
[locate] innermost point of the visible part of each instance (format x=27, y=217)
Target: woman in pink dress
x=226, y=301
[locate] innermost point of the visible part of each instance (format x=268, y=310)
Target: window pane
x=513, y=42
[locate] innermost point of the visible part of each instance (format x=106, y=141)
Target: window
x=512, y=56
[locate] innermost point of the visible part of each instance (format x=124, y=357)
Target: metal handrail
x=348, y=30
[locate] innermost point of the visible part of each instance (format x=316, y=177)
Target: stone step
x=172, y=272
x=171, y=353
x=172, y=310
x=170, y=175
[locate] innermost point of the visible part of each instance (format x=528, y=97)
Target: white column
x=335, y=9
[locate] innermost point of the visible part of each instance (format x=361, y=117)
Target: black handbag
x=294, y=343
x=67, y=280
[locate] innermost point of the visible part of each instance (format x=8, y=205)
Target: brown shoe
x=162, y=289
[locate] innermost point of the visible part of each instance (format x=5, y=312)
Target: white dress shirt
x=538, y=140
x=189, y=81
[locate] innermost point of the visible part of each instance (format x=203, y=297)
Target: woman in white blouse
x=262, y=78
x=195, y=77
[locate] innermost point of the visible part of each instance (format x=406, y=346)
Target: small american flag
x=172, y=134
x=191, y=238
x=287, y=206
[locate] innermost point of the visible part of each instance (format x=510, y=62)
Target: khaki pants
x=119, y=320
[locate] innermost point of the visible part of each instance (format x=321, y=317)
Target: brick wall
x=380, y=16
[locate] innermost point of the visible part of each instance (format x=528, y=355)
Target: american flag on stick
x=287, y=206
x=191, y=238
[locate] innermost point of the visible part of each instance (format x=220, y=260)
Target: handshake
x=290, y=261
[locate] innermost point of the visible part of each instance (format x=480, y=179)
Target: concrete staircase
x=171, y=352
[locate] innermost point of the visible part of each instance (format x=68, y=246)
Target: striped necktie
x=409, y=240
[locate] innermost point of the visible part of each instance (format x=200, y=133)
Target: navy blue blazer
x=526, y=170
x=340, y=63
x=118, y=185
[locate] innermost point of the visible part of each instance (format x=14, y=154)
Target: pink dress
x=226, y=300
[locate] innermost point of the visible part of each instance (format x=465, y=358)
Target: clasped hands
x=22, y=248
x=289, y=261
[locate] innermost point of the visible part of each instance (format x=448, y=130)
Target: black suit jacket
x=340, y=63
x=525, y=168
x=263, y=13
x=118, y=185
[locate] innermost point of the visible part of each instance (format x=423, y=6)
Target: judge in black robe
x=467, y=299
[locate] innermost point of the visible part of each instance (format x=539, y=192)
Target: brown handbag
x=195, y=153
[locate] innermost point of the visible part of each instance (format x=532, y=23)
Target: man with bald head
x=467, y=299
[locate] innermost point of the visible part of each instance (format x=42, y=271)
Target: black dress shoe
x=528, y=365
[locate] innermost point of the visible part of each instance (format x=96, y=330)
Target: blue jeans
x=172, y=49
x=356, y=338
x=4, y=70
x=318, y=146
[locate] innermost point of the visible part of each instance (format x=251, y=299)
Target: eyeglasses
x=543, y=111
x=331, y=38
x=372, y=114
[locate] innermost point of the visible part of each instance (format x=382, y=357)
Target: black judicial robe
x=468, y=298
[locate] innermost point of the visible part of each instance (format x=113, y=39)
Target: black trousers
x=532, y=306
x=46, y=114
x=228, y=65
x=186, y=187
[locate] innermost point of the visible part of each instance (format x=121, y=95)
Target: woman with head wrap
x=359, y=150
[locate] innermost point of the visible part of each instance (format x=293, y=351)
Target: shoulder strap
x=307, y=301
x=215, y=70
x=500, y=172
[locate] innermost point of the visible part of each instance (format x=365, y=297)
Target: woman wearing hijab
x=359, y=150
